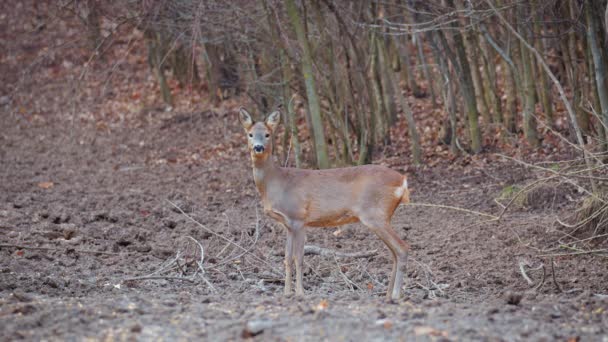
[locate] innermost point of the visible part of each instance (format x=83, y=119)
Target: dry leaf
x=418, y=331
x=46, y=185
x=385, y=323
x=323, y=305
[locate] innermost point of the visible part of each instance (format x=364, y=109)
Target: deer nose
x=258, y=148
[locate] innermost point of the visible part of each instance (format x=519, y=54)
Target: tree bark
x=598, y=63
x=311, y=90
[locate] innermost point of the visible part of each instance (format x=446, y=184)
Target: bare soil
x=110, y=193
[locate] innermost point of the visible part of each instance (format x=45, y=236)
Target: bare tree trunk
x=91, y=18
x=406, y=67
x=409, y=116
x=511, y=81
x=156, y=51
x=529, y=101
x=598, y=62
x=211, y=56
x=311, y=90
x=387, y=85
x=489, y=80
x=379, y=132
x=449, y=99
x=544, y=88
x=468, y=90
x=529, y=96
x=425, y=68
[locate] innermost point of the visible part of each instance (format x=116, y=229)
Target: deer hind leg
x=288, y=261
x=398, y=249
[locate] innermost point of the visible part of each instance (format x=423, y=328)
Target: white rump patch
x=401, y=190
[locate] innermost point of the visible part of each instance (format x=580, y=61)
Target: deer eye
x=250, y=135
x=267, y=135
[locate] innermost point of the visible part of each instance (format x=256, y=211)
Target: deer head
x=259, y=134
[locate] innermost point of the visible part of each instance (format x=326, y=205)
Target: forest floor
x=89, y=199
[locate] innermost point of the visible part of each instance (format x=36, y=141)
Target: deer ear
x=245, y=118
x=273, y=120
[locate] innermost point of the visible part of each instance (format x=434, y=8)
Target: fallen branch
x=159, y=277
x=316, y=250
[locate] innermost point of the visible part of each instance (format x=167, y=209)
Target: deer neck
x=263, y=171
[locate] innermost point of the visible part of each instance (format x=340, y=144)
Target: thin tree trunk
x=406, y=67
x=409, y=117
x=489, y=80
x=544, y=88
x=529, y=93
x=468, y=90
x=598, y=62
x=378, y=119
x=311, y=90
x=511, y=81
x=425, y=68
x=156, y=49
x=529, y=100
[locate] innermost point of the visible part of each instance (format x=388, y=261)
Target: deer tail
x=403, y=192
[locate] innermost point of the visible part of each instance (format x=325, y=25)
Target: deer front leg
x=288, y=261
x=298, y=247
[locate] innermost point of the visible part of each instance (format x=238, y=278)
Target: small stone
x=513, y=298
x=143, y=248
x=170, y=224
x=256, y=327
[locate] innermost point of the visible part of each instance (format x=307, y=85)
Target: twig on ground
x=160, y=277
x=188, y=258
x=599, y=252
x=58, y=249
x=316, y=250
x=559, y=289
x=542, y=282
x=226, y=239
x=257, y=236
x=348, y=282
x=492, y=217
x=523, y=273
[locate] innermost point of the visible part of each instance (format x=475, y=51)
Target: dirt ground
x=89, y=200
x=112, y=192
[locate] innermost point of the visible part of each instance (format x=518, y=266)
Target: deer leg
x=398, y=249
x=391, y=281
x=288, y=261
x=298, y=251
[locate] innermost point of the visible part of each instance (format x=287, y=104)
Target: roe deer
x=299, y=198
